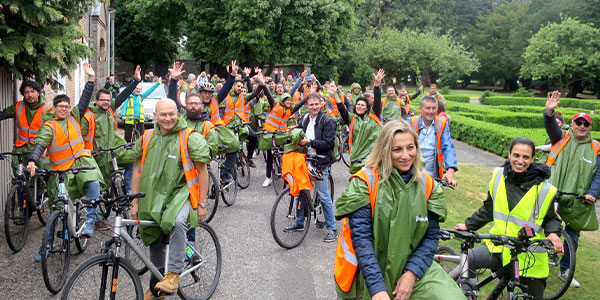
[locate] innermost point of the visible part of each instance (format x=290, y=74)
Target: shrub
x=445, y=91
x=449, y=80
x=487, y=93
x=458, y=98
x=536, y=101
x=522, y=92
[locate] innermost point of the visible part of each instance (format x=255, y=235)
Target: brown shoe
x=148, y=296
x=99, y=225
x=169, y=284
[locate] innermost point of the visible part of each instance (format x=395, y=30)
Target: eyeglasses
x=585, y=124
x=100, y=100
x=63, y=106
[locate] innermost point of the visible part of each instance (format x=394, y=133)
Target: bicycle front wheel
x=94, y=280
x=80, y=218
x=243, y=170
x=16, y=219
x=55, y=252
x=229, y=190
x=557, y=283
x=285, y=211
x=206, y=264
x=278, y=182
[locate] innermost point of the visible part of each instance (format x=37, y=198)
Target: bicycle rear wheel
x=41, y=202
x=446, y=265
x=16, y=219
x=284, y=213
x=212, y=199
x=279, y=184
x=345, y=151
x=555, y=286
x=201, y=283
x=229, y=190
x=93, y=280
x=243, y=170
x=55, y=252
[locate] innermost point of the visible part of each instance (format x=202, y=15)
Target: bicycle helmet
x=207, y=86
x=314, y=172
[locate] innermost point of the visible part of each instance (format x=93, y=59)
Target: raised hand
x=377, y=78
x=87, y=68
x=421, y=88
x=331, y=89
x=137, y=74
x=313, y=88
x=247, y=71
x=394, y=79
x=281, y=72
x=552, y=102
x=234, y=68
x=275, y=70
x=303, y=75
x=261, y=78
x=227, y=68
x=177, y=70
x=192, y=86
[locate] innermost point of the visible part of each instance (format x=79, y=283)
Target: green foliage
x=42, y=39
x=148, y=30
x=449, y=80
x=534, y=101
x=523, y=92
x=563, y=53
x=445, y=91
x=409, y=50
x=457, y=98
x=363, y=74
x=263, y=32
x=487, y=93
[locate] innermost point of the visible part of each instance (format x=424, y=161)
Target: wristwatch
x=203, y=205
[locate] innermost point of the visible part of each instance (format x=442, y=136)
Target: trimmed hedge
x=536, y=101
x=458, y=98
x=537, y=109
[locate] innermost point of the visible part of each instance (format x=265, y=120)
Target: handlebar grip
x=136, y=195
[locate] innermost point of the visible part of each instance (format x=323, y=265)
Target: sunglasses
x=579, y=123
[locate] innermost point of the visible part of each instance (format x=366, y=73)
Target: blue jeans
x=565, y=262
x=93, y=192
x=128, y=175
x=322, y=187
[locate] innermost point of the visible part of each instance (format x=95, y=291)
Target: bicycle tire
x=279, y=184
x=55, y=252
x=345, y=152
x=447, y=265
x=192, y=286
x=136, y=263
x=229, y=191
x=41, y=203
x=88, y=276
x=283, y=214
x=212, y=199
x=555, y=287
x=15, y=213
x=243, y=170
x=80, y=217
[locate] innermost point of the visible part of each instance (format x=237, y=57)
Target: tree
x=407, y=51
x=258, y=32
x=148, y=30
x=565, y=54
x=42, y=39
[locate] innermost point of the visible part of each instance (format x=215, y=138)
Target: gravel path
x=467, y=154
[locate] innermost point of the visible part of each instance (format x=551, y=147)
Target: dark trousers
x=269, y=168
x=252, y=142
x=139, y=127
x=481, y=258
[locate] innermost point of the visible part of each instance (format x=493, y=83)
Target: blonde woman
x=393, y=211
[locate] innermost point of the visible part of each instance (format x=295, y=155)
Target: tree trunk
x=574, y=87
x=425, y=79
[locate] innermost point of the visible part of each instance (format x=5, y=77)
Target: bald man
x=169, y=200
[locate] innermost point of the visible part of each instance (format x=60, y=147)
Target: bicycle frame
x=70, y=209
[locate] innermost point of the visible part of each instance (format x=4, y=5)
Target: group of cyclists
x=391, y=208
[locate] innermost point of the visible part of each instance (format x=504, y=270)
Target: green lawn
x=472, y=188
x=471, y=93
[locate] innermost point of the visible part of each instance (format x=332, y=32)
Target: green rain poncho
x=75, y=183
x=106, y=136
x=351, y=96
x=163, y=179
x=391, y=111
x=364, y=134
x=577, y=158
x=397, y=233
x=212, y=137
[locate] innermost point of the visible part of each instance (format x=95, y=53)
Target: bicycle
x=242, y=167
x=20, y=201
x=106, y=270
x=118, y=187
x=227, y=190
x=136, y=133
x=287, y=208
x=457, y=265
x=343, y=146
x=65, y=223
x=277, y=152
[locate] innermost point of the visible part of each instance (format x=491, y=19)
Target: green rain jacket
x=106, y=136
x=351, y=96
x=75, y=183
x=576, y=158
x=391, y=111
x=212, y=137
x=364, y=134
x=163, y=179
x=399, y=224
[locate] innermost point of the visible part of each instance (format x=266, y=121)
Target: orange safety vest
x=334, y=109
x=66, y=148
x=346, y=262
x=408, y=104
x=277, y=118
x=189, y=169
x=214, y=112
x=207, y=127
x=560, y=145
x=438, y=96
x=238, y=108
x=372, y=116
x=398, y=101
x=295, y=172
x=26, y=132
x=88, y=139
x=440, y=125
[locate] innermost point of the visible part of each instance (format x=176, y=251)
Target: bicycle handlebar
x=2, y=155
x=73, y=170
x=521, y=242
x=243, y=124
x=560, y=193
x=126, y=146
x=121, y=200
x=444, y=182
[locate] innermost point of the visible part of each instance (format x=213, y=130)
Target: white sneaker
x=563, y=276
x=267, y=182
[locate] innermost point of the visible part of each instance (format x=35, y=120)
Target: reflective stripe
x=370, y=176
x=560, y=145
x=520, y=222
x=72, y=157
x=348, y=256
x=497, y=180
x=65, y=146
x=191, y=183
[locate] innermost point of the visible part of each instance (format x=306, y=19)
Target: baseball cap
x=311, y=78
x=583, y=115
